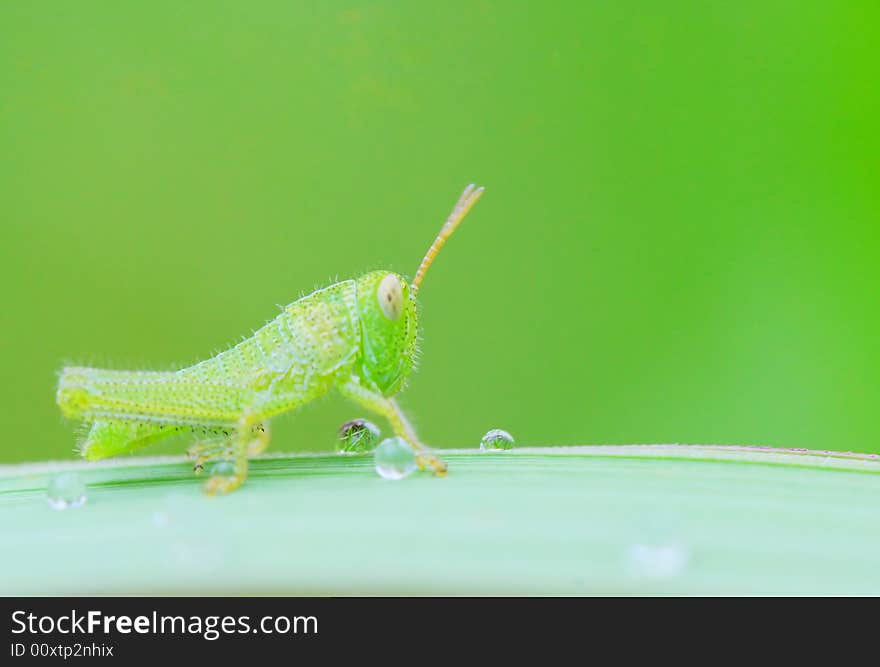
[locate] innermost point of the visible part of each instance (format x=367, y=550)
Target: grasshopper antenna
x=468, y=198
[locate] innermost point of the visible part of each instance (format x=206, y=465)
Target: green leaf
x=649, y=519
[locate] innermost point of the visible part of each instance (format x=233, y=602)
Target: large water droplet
x=496, y=440
x=395, y=458
x=357, y=436
x=66, y=491
x=657, y=561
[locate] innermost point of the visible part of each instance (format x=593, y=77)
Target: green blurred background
x=678, y=242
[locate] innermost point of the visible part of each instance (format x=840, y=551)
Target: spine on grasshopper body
x=293, y=359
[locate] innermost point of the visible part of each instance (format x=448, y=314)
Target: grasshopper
x=357, y=336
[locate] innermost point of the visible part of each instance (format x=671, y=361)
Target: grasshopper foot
x=428, y=459
x=219, y=484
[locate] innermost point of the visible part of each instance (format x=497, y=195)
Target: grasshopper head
x=389, y=330
x=389, y=311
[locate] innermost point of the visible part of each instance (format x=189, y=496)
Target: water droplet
x=223, y=469
x=657, y=561
x=66, y=491
x=395, y=459
x=496, y=440
x=357, y=437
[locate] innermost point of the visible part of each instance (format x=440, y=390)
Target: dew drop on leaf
x=357, y=437
x=395, y=459
x=66, y=491
x=496, y=440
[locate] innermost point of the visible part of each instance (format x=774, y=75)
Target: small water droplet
x=395, y=458
x=223, y=469
x=66, y=491
x=161, y=519
x=496, y=440
x=357, y=437
x=657, y=561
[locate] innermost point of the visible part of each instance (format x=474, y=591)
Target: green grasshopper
x=359, y=336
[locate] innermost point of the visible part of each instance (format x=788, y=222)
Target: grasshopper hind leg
x=105, y=438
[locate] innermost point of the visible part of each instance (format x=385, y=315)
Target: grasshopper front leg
x=388, y=408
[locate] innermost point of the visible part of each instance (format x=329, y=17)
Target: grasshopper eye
x=390, y=295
